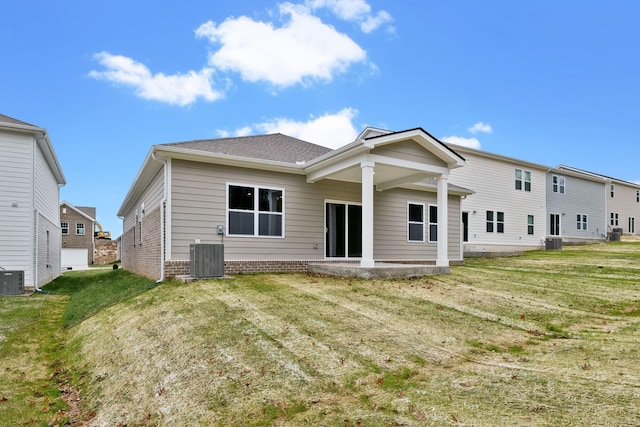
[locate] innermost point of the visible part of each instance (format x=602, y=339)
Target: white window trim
x=558, y=185
x=84, y=231
x=583, y=224
x=429, y=223
x=62, y=229
x=532, y=225
x=324, y=222
x=255, y=211
x=523, y=180
x=415, y=222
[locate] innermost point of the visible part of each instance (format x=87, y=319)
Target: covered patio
x=380, y=160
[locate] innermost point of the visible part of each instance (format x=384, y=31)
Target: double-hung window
x=415, y=219
x=614, y=219
x=558, y=184
x=495, y=221
x=523, y=180
x=65, y=227
x=255, y=211
x=581, y=221
x=433, y=223
x=612, y=190
x=530, y=224
x=80, y=228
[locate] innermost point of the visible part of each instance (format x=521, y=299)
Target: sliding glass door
x=343, y=230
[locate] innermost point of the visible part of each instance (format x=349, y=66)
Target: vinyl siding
x=493, y=181
x=410, y=151
x=48, y=250
x=583, y=197
x=198, y=205
x=16, y=223
x=624, y=204
x=151, y=198
x=391, y=223
x=46, y=190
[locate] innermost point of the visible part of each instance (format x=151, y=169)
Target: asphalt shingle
x=275, y=147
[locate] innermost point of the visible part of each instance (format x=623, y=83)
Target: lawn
x=549, y=338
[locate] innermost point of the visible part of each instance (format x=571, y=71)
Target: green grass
x=34, y=353
x=93, y=290
x=31, y=350
x=548, y=338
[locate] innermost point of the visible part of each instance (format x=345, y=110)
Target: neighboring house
x=576, y=206
x=77, y=224
x=622, y=202
x=279, y=203
x=31, y=176
x=507, y=211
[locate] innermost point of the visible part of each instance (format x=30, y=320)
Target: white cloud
x=354, y=10
x=328, y=130
x=180, y=89
x=302, y=50
x=464, y=142
x=480, y=127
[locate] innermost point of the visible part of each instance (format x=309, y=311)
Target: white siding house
x=30, y=238
x=507, y=210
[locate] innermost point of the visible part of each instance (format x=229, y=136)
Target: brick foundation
x=181, y=268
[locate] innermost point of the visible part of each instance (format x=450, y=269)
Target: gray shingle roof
x=7, y=119
x=275, y=147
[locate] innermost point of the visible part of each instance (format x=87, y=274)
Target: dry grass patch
x=498, y=342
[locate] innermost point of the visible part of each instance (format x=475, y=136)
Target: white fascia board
x=333, y=167
x=149, y=167
x=442, y=151
x=356, y=147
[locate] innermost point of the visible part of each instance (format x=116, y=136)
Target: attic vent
x=11, y=282
x=206, y=260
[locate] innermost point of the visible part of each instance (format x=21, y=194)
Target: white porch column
x=442, y=259
x=367, y=214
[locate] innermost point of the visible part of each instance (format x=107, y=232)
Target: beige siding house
x=31, y=177
x=277, y=203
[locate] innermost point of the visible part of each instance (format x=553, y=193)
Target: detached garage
x=74, y=258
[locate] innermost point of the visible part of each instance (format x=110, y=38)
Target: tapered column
x=367, y=214
x=442, y=259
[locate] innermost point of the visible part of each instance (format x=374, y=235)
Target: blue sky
x=551, y=82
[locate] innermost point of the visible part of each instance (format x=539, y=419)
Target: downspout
x=37, y=236
x=34, y=241
x=163, y=203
